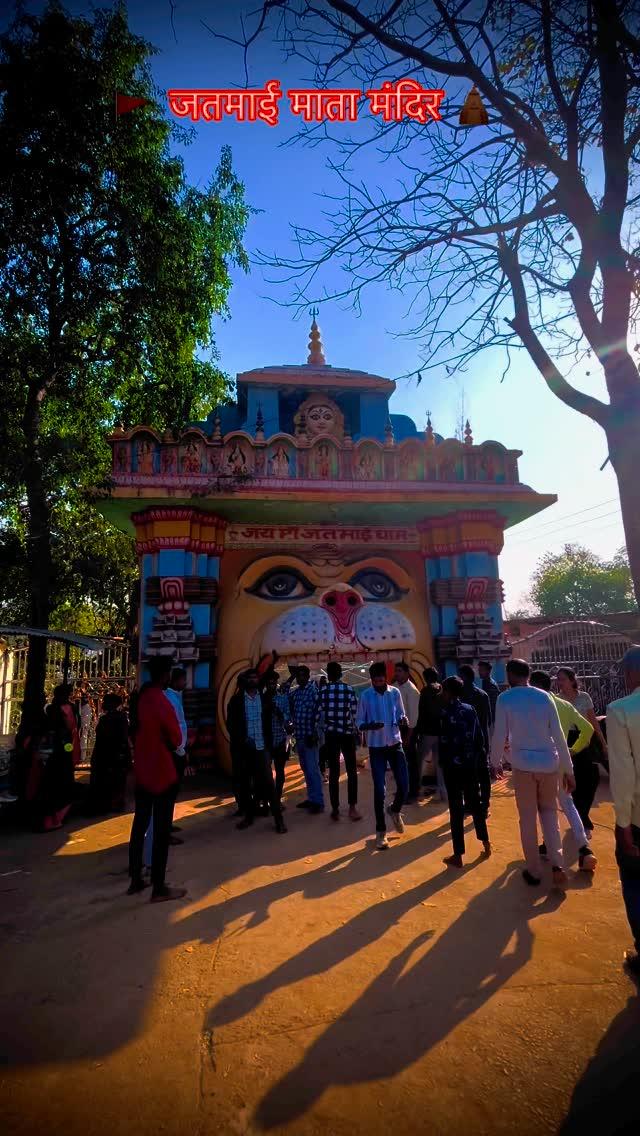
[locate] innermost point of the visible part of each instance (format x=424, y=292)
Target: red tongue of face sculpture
x=342, y=604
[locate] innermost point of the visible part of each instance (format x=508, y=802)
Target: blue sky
x=562, y=451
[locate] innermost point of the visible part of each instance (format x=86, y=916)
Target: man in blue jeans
x=623, y=739
x=381, y=717
x=305, y=711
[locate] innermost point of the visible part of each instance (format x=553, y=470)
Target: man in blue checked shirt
x=381, y=717
x=305, y=711
x=278, y=725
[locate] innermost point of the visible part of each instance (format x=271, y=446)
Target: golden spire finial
x=316, y=354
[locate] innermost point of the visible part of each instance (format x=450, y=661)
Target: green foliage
x=112, y=268
x=578, y=583
x=94, y=576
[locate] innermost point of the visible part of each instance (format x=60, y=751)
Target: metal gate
x=97, y=674
x=592, y=649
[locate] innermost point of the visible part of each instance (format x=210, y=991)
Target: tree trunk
x=38, y=556
x=623, y=435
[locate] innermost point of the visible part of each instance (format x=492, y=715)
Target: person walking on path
x=462, y=751
x=157, y=737
x=176, y=686
x=247, y=723
x=623, y=737
x=477, y=698
x=411, y=702
x=111, y=758
x=572, y=724
x=428, y=735
x=338, y=707
x=527, y=718
x=279, y=728
x=585, y=766
x=381, y=718
x=490, y=687
x=305, y=711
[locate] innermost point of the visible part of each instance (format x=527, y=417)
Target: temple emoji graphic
x=309, y=520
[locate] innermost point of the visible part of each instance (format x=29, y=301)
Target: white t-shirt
x=410, y=699
x=527, y=718
x=583, y=702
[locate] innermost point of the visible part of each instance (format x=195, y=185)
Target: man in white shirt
x=381, y=718
x=411, y=702
x=527, y=718
x=623, y=740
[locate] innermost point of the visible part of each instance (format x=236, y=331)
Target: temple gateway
x=309, y=519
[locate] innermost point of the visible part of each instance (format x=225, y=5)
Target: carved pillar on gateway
x=465, y=591
x=180, y=551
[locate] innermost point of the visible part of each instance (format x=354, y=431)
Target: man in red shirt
x=158, y=736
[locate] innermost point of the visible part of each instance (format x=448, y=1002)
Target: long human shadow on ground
x=606, y=1099
x=80, y=959
x=462, y=970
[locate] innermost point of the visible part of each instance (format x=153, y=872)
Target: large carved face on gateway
x=353, y=608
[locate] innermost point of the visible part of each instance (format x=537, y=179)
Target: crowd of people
x=468, y=732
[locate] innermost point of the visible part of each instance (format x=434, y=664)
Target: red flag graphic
x=125, y=103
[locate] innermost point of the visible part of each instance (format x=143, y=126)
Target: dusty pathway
x=312, y=985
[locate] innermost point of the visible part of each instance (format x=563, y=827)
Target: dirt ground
x=311, y=984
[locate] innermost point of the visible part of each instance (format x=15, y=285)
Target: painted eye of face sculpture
x=282, y=584
x=375, y=585
x=320, y=420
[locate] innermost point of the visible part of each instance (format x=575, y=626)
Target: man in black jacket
x=477, y=698
x=248, y=728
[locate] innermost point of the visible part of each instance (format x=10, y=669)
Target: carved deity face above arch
x=322, y=416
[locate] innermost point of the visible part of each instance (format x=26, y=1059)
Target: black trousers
x=484, y=785
x=345, y=744
x=463, y=791
x=279, y=755
x=160, y=805
x=256, y=782
x=323, y=757
x=414, y=763
x=587, y=777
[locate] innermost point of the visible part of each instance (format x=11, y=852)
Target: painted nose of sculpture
x=342, y=604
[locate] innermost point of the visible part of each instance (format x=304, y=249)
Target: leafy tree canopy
x=112, y=268
x=578, y=583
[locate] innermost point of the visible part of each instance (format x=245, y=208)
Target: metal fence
x=592, y=649
x=97, y=674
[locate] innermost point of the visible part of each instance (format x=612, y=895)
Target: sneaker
x=586, y=860
x=397, y=819
x=7, y=798
x=167, y=894
x=382, y=842
x=543, y=851
x=559, y=877
x=454, y=861
x=315, y=809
